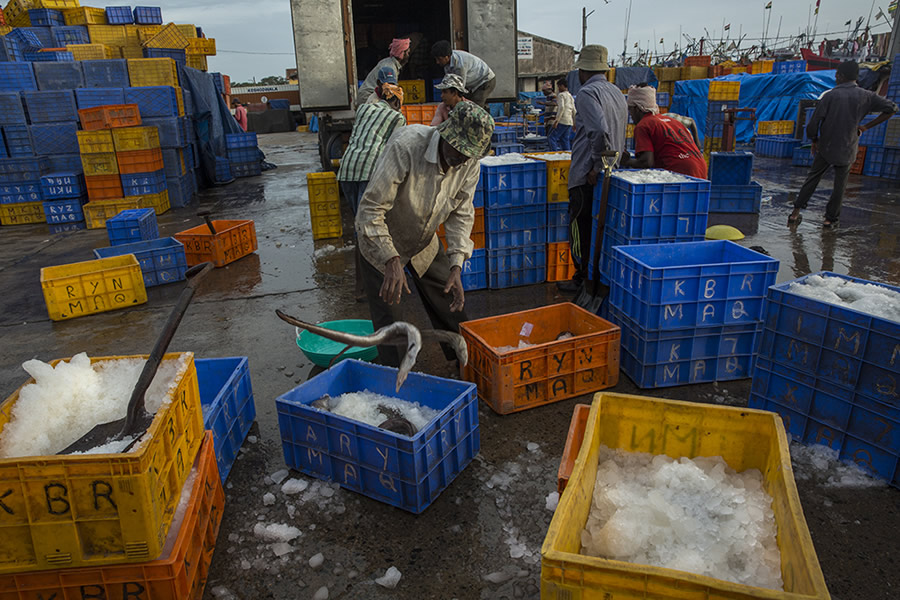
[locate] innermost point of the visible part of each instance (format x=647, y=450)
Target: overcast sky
x=264, y=26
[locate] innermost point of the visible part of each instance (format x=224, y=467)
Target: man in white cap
x=600, y=126
x=453, y=91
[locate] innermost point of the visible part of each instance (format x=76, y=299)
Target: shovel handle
x=205, y=214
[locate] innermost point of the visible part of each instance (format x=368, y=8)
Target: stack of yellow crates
x=324, y=205
x=92, y=51
x=84, y=15
x=152, y=71
x=197, y=51
x=134, y=36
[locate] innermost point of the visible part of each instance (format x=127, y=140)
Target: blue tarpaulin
x=629, y=76
x=775, y=97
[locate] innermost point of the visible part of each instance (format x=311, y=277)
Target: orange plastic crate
x=178, y=575
x=140, y=161
x=477, y=234
x=232, y=240
x=573, y=444
x=109, y=116
x=857, y=167
x=103, y=187
x=698, y=61
x=549, y=371
x=560, y=266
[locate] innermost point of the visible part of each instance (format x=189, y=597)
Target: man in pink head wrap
x=399, y=55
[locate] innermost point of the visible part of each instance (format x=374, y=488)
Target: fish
x=565, y=335
x=395, y=423
x=390, y=334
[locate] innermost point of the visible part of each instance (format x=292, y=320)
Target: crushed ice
x=365, y=406
x=390, y=579
x=552, y=156
x=821, y=462
x=651, y=176
x=512, y=158
x=868, y=298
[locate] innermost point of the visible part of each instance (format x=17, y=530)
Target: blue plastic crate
x=3, y=153
x=802, y=131
x=69, y=34
x=735, y=198
x=730, y=168
x=242, y=155
x=513, y=226
x=133, y=225
x=58, y=75
x=162, y=260
x=691, y=284
x=515, y=184
x=223, y=170
x=246, y=169
x=139, y=184
x=188, y=100
x=874, y=136
x=501, y=149
x=67, y=227
x=171, y=134
x=50, y=106
x=612, y=239
x=654, y=359
x=405, y=472
x=474, y=271
x=715, y=110
x=67, y=210
x=24, y=191
x=863, y=431
x=219, y=82
x=188, y=154
x=802, y=157
x=511, y=267
x=16, y=77
x=892, y=133
x=503, y=135
x=92, y=97
x=43, y=34
x=181, y=190
x=882, y=162
x=119, y=15
x=177, y=55
x=187, y=128
x=106, y=73
x=663, y=99
x=18, y=140
x=18, y=170
x=173, y=162
x=55, y=138
x=59, y=185
x=48, y=56
x=435, y=92
x=10, y=50
x=25, y=38
x=240, y=140
x=148, y=15
x=557, y=222
x=65, y=163
x=45, y=17
x=226, y=398
x=775, y=147
x=12, y=112
x=154, y=101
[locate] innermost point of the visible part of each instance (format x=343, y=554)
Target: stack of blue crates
x=474, y=271
x=831, y=372
x=243, y=154
x=690, y=312
x=515, y=222
x=893, y=92
x=503, y=141
x=883, y=142
x=20, y=189
x=134, y=225
x=648, y=213
x=730, y=187
x=64, y=195
x=715, y=117
x=775, y=146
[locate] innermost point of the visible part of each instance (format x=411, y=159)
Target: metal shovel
x=205, y=214
x=137, y=420
x=590, y=296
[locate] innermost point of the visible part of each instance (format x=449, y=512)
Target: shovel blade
x=102, y=433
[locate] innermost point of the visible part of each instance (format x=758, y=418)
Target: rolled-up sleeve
x=460, y=221
x=390, y=171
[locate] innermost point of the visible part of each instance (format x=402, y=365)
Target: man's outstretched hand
x=394, y=281
x=455, y=288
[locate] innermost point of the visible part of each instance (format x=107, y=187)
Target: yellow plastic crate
x=744, y=438
x=611, y=75
x=327, y=227
x=17, y=10
x=668, y=74
x=775, y=128
x=324, y=197
x=694, y=72
x=111, y=35
x=629, y=130
x=187, y=30
x=84, y=16
x=197, y=61
x=557, y=175
x=152, y=71
x=413, y=91
x=207, y=47
x=100, y=164
x=724, y=90
x=762, y=66
x=179, y=101
x=101, y=509
x=22, y=213
x=90, y=142
x=135, y=138
x=93, y=286
x=130, y=52
x=4, y=29
x=168, y=37
x=146, y=32
x=58, y=4
x=92, y=51
x=158, y=202
x=96, y=212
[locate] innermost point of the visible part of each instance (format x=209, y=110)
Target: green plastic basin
x=321, y=350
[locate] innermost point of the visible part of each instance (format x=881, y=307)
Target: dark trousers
x=431, y=289
x=818, y=168
x=480, y=96
x=353, y=192
x=560, y=138
x=580, y=200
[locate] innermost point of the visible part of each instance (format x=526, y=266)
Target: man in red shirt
x=240, y=114
x=661, y=142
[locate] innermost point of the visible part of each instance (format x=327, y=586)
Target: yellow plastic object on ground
x=96, y=212
x=744, y=438
x=92, y=286
x=22, y=213
x=724, y=232
x=100, y=509
x=557, y=175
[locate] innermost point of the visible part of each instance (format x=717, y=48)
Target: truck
x=337, y=43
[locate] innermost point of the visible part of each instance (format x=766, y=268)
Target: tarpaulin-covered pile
x=775, y=97
x=629, y=76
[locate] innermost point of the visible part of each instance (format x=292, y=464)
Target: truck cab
x=337, y=43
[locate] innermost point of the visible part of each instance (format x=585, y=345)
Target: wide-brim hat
x=593, y=58
x=468, y=129
x=452, y=81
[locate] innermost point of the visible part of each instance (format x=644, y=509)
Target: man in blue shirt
x=599, y=126
x=477, y=76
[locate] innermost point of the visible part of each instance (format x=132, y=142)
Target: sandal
x=829, y=224
x=794, y=219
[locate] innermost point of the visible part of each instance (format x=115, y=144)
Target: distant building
x=261, y=94
x=541, y=60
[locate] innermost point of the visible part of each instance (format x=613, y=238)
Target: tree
x=273, y=80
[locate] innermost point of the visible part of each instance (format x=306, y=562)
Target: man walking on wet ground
x=425, y=176
x=834, y=129
x=476, y=74
x=600, y=126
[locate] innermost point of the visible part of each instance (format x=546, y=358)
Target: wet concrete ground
x=496, y=507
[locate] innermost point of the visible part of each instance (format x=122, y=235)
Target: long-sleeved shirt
x=409, y=195
x=600, y=125
x=565, y=109
x=474, y=71
x=374, y=125
x=834, y=123
x=240, y=115
x=368, y=86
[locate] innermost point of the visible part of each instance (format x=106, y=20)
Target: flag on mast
x=818, y=2
x=728, y=27
x=768, y=6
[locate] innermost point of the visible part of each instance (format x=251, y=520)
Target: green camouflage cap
x=468, y=129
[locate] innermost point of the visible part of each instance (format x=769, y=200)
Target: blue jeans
x=560, y=138
x=353, y=192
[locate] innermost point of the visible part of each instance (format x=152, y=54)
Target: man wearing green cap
x=425, y=177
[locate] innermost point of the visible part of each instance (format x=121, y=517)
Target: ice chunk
x=374, y=409
x=282, y=548
x=498, y=577
x=511, y=158
x=552, y=156
x=651, y=176
x=868, y=298
x=294, y=486
x=817, y=461
x=316, y=560
x=220, y=592
x=390, y=579
x=552, y=501
x=321, y=593
x=521, y=346
x=532, y=446
x=276, y=532
x=268, y=499
x=279, y=476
